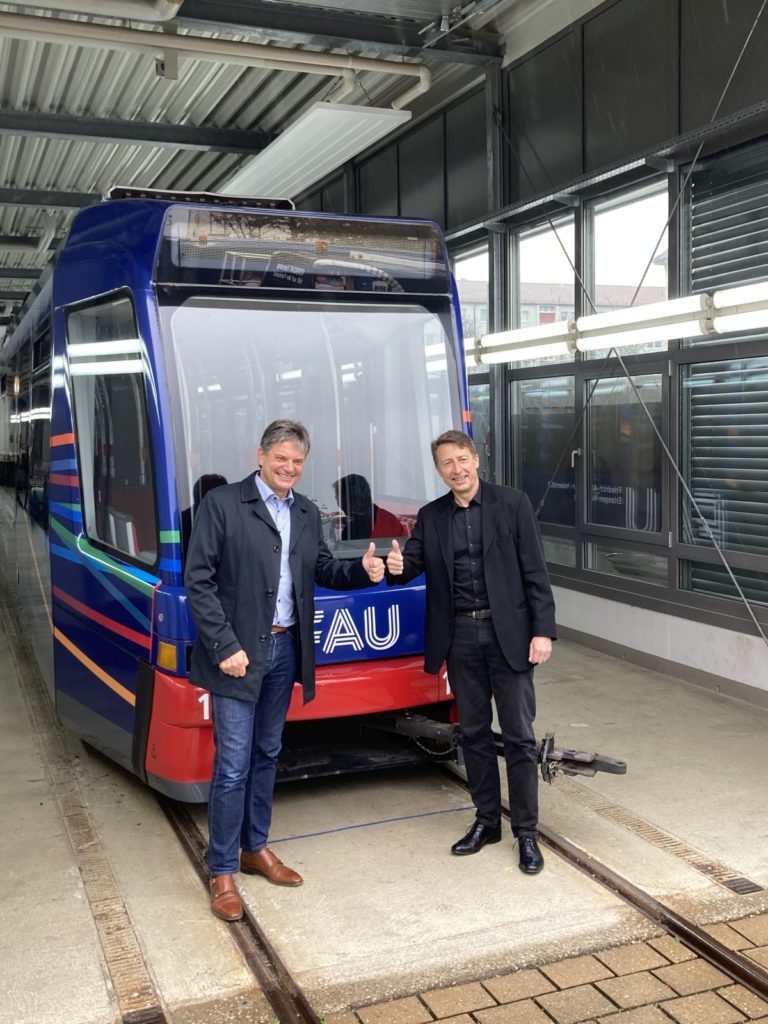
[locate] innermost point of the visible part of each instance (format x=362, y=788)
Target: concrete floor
x=386, y=910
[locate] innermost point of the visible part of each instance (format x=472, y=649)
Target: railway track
x=277, y=983
x=138, y=999
x=737, y=966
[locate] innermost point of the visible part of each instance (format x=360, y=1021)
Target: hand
x=540, y=650
x=235, y=664
x=373, y=565
x=395, y=564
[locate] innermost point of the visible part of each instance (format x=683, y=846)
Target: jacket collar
x=249, y=492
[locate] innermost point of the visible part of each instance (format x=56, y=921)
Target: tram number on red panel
x=205, y=700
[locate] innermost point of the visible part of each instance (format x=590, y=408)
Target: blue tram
x=171, y=330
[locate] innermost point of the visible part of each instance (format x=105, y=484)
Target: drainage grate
x=662, y=840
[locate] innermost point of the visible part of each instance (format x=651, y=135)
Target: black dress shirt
x=469, y=590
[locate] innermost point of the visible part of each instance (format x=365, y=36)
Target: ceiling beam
x=25, y=242
x=135, y=133
x=39, y=197
x=444, y=27
x=19, y=273
x=10, y=296
x=298, y=25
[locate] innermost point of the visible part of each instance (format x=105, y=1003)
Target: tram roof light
x=322, y=139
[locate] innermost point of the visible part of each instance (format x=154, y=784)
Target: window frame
x=104, y=299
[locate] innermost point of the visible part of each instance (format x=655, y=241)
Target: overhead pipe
x=58, y=30
x=130, y=10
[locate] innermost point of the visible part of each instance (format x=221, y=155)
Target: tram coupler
x=423, y=728
x=552, y=760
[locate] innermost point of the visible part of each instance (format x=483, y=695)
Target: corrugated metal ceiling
x=77, y=119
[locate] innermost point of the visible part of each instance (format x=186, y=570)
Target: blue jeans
x=248, y=737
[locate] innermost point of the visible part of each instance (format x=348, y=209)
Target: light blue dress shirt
x=280, y=510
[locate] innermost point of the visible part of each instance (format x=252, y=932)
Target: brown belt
x=280, y=629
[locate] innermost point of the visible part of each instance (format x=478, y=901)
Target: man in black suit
x=491, y=616
x=254, y=557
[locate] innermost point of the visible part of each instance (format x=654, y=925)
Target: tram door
x=104, y=536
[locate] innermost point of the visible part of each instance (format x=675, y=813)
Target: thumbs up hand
x=373, y=565
x=395, y=562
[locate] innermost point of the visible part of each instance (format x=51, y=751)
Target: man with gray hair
x=255, y=554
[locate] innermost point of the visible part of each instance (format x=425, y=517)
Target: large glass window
x=472, y=274
x=373, y=384
x=542, y=431
x=725, y=446
x=641, y=566
x=624, y=455
x=110, y=407
x=480, y=405
x=629, y=256
x=546, y=278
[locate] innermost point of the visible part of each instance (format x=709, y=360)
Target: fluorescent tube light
x=550, y=339
x=322, y=139
x=126, y=346
x=106, y=368
x=641, y=335
x=513, y=353
x=659, y=321
x=537, y=334
x=741, y=309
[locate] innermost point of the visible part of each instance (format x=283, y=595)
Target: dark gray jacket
x=232, y=575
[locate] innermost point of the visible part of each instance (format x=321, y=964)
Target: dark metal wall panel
x=466, y=162
x=378, y=184
x=545, y=111
x=422, y=172
x=333, y=200
x=712, y=35
x=312, y=202
x=630, y=79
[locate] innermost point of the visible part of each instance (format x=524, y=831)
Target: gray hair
x=285, y=430
x=457, y=437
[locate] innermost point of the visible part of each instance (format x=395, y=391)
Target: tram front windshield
x=373, y=384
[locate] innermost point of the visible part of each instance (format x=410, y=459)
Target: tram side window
x=112, y=428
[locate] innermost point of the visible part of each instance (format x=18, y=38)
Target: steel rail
x=279, y=986
x=737, y=966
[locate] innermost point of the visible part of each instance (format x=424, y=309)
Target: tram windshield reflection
x=373, y=385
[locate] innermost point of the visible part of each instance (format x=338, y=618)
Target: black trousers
x=477, y=672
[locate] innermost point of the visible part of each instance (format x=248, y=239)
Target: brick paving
x=654, y=982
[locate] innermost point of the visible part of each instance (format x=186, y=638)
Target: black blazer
x=519, y=593
x=232, y=575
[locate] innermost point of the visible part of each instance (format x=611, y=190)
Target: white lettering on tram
x=382, y=643
x=205, y=700
x=344, y=632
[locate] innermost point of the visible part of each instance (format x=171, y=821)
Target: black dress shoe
x=476, y=838
x=531, y=861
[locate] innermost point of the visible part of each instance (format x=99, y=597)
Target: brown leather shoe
x=266, y=863
x=225, y=899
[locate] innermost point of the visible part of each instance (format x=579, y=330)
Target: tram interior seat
x=128, y=525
